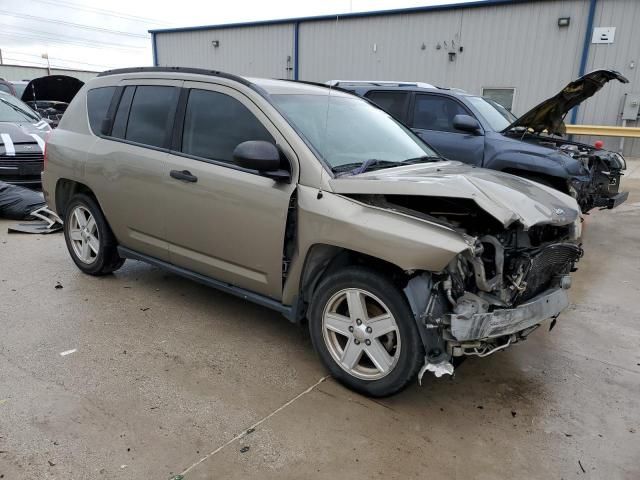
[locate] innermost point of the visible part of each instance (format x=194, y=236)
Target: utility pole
x=46, y=56
x=0, y=56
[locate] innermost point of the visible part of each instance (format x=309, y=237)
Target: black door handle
x=183, y=175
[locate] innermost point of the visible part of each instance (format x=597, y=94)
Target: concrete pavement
x=167, y=375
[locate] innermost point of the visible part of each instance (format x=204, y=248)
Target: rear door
x=226, y=222
x=393, y=102
x=126, y=165
x=431, y=117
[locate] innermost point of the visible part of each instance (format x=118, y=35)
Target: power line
x=50, y=40
x=71, y=24
x=110, y=13
x=13, y=52
x=72, y=38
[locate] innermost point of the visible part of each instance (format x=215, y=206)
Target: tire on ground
x=107, y=259
x=411, y=351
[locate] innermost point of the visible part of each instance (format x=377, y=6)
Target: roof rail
x=380, y=83
x=198, y=71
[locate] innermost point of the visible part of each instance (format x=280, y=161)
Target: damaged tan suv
x=317, y=204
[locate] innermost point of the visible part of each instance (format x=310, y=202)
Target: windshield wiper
x=361, y=167
x=18, y=109
x=423, y=159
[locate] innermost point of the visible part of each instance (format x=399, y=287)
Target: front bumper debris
x=617, y=199
x=503, y=322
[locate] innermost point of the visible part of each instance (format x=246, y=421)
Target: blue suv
x=476, y=130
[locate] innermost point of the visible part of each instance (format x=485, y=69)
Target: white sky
x=91, y=35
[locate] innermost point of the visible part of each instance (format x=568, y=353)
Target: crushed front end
x=599, y=185
x=497, y=292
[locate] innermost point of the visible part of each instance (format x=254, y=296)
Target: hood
x=22, y=137
x=549, y=115
x=53, y=87
x=505, y=197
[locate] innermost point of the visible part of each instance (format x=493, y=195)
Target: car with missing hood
x=317, y=204
x=22, y=137
x=479, y=131
x=50, y=95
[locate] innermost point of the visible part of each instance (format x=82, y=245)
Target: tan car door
x=126, y=168
x=222, y=221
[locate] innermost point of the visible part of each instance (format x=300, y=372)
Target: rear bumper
x=503, y=322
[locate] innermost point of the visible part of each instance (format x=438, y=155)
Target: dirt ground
x=168, y=377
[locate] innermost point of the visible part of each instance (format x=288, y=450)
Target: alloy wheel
x=84, y=235
x=361, y=334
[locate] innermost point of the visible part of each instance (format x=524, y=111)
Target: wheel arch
x=323, y=259
x=65, y=190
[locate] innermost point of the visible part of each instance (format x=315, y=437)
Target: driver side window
x=215, y=123
x=436, y=112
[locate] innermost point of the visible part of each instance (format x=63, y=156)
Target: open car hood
x=549, y=115
x=505, y=197
x=60, y=88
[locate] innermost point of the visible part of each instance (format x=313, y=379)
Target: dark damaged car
x=50, y=95
x=22, y=137
x=477, y=130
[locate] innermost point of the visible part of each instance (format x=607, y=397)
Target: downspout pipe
x=585, y=49
x=296, y=42
x=154, y=49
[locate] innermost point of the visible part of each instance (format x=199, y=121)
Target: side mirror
x=263, y=157
x=466, y=123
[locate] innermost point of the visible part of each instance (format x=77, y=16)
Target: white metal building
x=24, y=72
x=517, y=51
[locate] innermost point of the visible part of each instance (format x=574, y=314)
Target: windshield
x=13, y=110
x=20, y=88
x=495, y=114
x=349, y=131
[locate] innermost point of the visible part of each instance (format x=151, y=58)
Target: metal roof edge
x=340, y=16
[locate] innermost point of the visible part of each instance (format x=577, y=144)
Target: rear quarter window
x=150, y=114
x=98, y=101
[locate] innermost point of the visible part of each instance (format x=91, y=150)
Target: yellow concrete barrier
x=604, y=131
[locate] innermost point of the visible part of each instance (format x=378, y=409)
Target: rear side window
x=98, y=100
x=393, y=103
x=216, y=123
x=146, y=119
x=436, y=112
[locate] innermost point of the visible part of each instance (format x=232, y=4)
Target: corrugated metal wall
x=265, y=51
x=19, y=72
x=606, y=105
x=518, y=45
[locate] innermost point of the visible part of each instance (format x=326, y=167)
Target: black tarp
x=17, y=203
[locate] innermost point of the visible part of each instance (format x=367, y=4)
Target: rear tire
x=377, y=355
x=89, y=239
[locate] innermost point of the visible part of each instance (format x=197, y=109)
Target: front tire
x=364, y=331
x=89, y=239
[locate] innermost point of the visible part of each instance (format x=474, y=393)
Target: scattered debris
x=51, y=463
x=68, y=352
x=581, y=467
x=479, y=407
x=568, y=435
x=58, y=286
x=123, y=466
x=244, y=449
x=513, y=413
x=144, y=309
